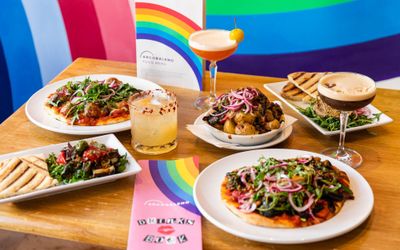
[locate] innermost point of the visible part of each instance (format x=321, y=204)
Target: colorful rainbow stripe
x=161, y=24
x=175, y=179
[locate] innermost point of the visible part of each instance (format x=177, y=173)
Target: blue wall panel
x=19, y=52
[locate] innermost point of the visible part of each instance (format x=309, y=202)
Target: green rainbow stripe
x=257, y=7
x=162, y=28
x=157, y=26
x=179, y=181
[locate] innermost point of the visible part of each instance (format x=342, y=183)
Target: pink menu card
x=164, y=215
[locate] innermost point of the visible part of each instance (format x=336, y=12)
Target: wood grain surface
x=100, y=215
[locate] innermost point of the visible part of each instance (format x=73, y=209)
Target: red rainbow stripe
x=168, y=11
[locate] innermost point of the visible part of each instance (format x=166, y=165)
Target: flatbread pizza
x=91, y=102
x=287, y=193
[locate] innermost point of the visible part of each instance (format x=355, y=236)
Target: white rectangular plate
x=276, y=88
x=132, y=167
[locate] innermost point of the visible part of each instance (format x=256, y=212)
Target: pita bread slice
x=291, y=92
x=47, y=182
x=21, y=181
x=32, y=184
x=36, y=161
x=3, y=163
x=8, y=168
x=307, y=81
x=53, y=183
x=13, y=176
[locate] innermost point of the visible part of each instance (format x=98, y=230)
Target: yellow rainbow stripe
x=183, y=171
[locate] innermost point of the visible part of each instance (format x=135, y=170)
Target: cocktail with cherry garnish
x=346, y=92
x=213, y=45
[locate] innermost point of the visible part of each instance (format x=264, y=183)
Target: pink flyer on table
x=164, y=215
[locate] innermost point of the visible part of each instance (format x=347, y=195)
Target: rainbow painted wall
x=39, y=38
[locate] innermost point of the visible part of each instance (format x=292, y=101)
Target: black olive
x=335, y=197
x=304, y=215
x=318, y=207
x=331, y=206
x=271, y=213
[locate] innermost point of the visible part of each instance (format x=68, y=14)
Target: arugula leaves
x=332, y=123
x=317, y=178
x=80, y=93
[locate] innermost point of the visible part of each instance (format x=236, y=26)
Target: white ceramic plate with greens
x=276, y=89
x=37, y=113
x=207, y=196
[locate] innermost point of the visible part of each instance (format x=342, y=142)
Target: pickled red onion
x=235, y=100
x=303, y=208
x=283, y=164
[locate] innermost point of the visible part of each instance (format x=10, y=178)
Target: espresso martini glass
x=346, y=92
x=213, y=45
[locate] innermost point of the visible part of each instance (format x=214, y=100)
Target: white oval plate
x=209, y=138
x=207, y=198
x=37, y=114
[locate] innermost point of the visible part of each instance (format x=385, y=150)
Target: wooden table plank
x=100, y=215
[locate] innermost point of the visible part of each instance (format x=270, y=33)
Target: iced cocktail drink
x=154, y=121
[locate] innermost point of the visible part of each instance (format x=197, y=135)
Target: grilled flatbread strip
x=307, y=81
x=289, y=86
x=34, y=182
x=7, y=169
x=23, y=180
x=36, y=161
x=310, y=86
x=3, y=163
x=291, y=92
x=47, y=182
x=23, y=175
x=13, y=176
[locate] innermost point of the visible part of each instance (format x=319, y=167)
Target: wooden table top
x=100, y=215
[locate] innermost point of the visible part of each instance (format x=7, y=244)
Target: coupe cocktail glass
x=346, y=92
x=213, y=45
x=154, y=121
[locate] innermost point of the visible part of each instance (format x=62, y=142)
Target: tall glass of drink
x=154, y=121
x=346, y=92
x=213, y=45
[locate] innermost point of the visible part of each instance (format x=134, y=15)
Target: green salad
x=332, y=123
x=84, y=161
